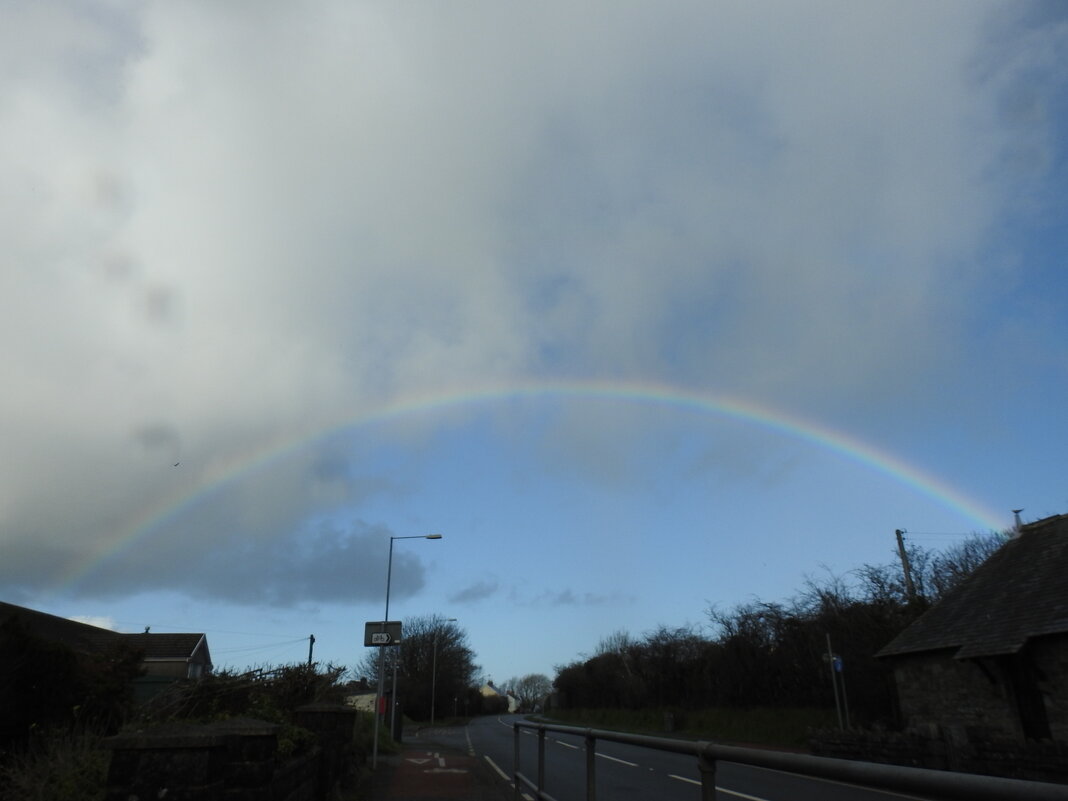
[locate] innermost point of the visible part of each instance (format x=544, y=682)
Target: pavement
x=427, y=771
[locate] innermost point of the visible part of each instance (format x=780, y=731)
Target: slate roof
x=79, y=636
x=93, y=639
x=168, y=646
x=1020, y=592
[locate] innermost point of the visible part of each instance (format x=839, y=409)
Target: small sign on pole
x=382, y=632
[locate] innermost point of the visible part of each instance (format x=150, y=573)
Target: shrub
x=59, y=767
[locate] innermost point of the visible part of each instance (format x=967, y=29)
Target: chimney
x=1017, y=523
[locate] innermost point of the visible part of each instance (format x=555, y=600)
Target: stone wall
x=935, y=688
x=231, y=760
x=1050, y=655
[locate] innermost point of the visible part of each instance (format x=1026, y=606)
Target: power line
x=913, y=534
x=261, y=647
x=170, y=627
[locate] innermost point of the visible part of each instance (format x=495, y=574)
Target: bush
x=56, y=768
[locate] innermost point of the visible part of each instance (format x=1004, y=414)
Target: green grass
x=762, y=726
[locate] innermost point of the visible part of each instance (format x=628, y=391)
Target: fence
x=934, y=784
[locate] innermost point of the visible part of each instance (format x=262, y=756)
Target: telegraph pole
x=910, y=588
x=830, y=657
x=311, y=644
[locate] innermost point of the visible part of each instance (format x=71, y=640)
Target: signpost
x=382, y=632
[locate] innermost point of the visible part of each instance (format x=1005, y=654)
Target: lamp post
x=382, y=650
x=434, y=671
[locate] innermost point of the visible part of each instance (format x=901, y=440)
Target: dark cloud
x=300, y=567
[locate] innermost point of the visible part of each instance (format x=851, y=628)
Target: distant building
x=488, y=690
x=991, y=658
x=361, y=695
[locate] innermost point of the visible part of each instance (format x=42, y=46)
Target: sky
x=646, y=308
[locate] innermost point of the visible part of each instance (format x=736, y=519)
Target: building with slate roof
x=991, y=658
x=166, y=657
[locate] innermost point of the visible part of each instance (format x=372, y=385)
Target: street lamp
x=382, y=650
x=434, y=671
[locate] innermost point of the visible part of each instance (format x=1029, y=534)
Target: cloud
x=293, y=568
x=478, y=591
x=228, y=230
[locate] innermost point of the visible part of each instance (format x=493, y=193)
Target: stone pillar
x=334, y=726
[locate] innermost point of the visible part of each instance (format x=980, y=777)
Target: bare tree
x=433, y=664
x=959, y=561
x=531, y=690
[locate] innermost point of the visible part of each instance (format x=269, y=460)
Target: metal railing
x=934, y=784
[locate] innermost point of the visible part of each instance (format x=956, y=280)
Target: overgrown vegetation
x=63, y=761
x=58, y=704
x=271, y=694
x=268, y=693
x=59, y=767
x=773, y=654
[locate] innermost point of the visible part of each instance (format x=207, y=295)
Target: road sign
x=382, y=632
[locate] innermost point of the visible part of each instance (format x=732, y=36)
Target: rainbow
x=744, y=411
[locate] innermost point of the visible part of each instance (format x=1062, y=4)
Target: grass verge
x=760, y=726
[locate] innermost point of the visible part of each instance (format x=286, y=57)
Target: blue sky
x=646, y=308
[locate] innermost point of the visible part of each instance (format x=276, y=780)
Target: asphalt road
x=633, y=773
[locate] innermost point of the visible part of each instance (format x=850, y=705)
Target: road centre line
x=718, y=788
x=620, y=761
x=684, y=779
x=740, y=795
x=567, y=745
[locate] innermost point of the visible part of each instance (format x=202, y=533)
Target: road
x=631, y=772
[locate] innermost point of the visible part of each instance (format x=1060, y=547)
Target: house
x=489, y=690
x=173, y=656
x=165, y=658
x=991, y=658
x=361, y=695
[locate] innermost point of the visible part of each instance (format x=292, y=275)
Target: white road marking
x=470, y=748
x=620, y=761
x=740, y=795
x=719, y=789
x=504, y=775
x=683, y=779
x=567, y=745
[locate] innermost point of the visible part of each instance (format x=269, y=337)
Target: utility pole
x=311, y=644
x=834, y=681
x=910, y=588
